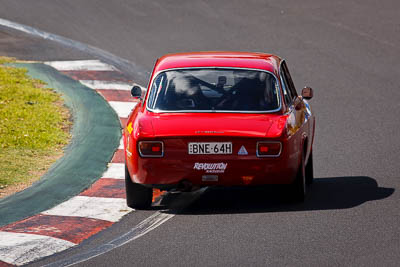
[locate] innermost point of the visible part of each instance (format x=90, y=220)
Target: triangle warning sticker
x=242, y=151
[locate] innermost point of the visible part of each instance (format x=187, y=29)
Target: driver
x=268, y=100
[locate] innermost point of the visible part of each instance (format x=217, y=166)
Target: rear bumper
x=206, y=171
x=234, y=169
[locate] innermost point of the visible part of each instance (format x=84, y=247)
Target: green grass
x=34, y=126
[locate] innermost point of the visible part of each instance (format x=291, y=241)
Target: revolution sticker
x=210, y=167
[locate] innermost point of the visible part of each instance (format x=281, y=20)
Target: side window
x=286, y=92
x=289, y=80
x=289, y=90
x=154, y=90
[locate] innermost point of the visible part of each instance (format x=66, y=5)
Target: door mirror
x=307, y=93
x=136, y=92
x=298, y=103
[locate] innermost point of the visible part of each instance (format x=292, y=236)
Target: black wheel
x=299, y=185
x=310, y=170
x=137, y=195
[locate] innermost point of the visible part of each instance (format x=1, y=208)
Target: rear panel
x=242, y=167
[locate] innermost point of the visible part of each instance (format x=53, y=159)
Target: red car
x=218, y=118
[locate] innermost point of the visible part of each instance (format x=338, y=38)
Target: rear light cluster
x=154, y=149
x=269, y=149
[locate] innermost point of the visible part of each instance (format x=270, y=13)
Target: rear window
x=214, y=90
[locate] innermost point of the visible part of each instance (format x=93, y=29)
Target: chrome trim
x=280, y=80
x=268, y=156
x=151, y=156
x=283, y=84
x=158, y=90
x=210, y=110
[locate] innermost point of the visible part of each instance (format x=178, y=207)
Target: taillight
x=269, y=149
x=151, y=149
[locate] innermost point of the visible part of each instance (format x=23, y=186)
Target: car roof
x=227, y=59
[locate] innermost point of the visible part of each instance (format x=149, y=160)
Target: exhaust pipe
x=185, y=186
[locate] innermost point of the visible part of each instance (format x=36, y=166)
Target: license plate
x=210, y=148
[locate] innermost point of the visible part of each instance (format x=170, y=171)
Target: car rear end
x=213, y=126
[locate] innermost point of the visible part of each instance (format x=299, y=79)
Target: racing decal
x=243, y=151
x=129, y=128
x=208, y=132
x=210, y=167
x=129, y=154
x=127, y=141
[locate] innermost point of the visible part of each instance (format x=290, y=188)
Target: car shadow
x=323, y=194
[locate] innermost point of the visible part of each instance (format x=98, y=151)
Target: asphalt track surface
x=348, y=51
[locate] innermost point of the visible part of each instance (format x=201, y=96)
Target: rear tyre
x=310, y=170
x=137, y=195
x=299, y=185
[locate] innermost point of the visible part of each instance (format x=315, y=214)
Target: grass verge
x=34, y=127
